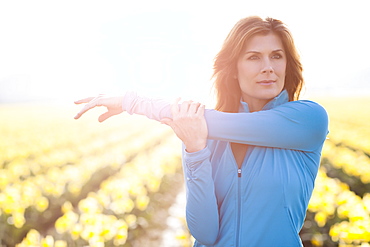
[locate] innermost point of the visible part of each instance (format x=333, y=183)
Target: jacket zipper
x=239, y=207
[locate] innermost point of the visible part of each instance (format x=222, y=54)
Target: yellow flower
x=317, y=240
x=366, y=200
x=18, y=220
x=48, y=241
x=32, y=238
x=120, y=238
x=142, y=202
x=66, y=222
x=42, y=204
x=4, y=178
x=131, y=220
x=89, y=205
x=76, y=231
x=74, y=188
x=66, y=207
x=60, y=243
x=88, y=233
x=320, y=218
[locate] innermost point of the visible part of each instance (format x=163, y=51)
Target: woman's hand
x=189, y=124
x=113, y=105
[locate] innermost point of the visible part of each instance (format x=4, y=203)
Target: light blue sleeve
x=201, y=208
x=299, y=125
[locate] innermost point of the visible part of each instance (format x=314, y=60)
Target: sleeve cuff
x=195, y=159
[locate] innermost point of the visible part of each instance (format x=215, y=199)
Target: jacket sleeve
x=201, y=208
x=300, y=125
x=155, y=109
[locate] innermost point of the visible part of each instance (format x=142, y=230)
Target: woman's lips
x=266, y=82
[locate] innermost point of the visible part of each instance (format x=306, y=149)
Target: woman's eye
x=277, y=56
x=253, y=58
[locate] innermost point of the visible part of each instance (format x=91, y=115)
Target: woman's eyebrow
x=258, y=52
x=252, y=52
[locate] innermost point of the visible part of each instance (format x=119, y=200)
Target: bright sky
x=73, y=49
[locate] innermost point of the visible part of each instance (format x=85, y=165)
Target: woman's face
x=261, y=70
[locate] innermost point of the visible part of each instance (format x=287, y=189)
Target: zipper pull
x=239, y=172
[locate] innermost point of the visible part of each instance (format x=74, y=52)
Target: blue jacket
x=264, y=203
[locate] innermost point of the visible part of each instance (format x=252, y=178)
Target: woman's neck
x=256, y=104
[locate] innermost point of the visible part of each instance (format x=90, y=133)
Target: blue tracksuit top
x=264, y=203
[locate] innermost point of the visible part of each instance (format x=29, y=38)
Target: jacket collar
x=282, y=98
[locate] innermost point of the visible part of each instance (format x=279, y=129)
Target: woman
x=250, y=164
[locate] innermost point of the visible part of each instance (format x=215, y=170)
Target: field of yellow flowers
x=339, y=210
x=83, y=183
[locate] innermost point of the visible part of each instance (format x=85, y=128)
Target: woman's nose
x=267, y=66
x=267, y=69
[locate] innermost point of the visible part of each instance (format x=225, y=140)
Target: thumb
x=109, y=114
x=105, y=116
x=167, y=121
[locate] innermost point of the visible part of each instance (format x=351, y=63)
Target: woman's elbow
x=206, y=236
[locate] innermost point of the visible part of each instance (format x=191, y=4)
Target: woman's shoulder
x=307, y=108
x=306, y=104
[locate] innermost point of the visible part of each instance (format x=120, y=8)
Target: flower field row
x=348, y=213
x=104, y=217
x=339, y=210
x=55, y=171
x=351, y=166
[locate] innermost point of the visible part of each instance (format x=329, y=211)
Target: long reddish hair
x=227, y=88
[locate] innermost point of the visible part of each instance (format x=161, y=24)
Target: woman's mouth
x=266, y=82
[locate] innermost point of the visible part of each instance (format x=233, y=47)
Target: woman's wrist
x=195, y=147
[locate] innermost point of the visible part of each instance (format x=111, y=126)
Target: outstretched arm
x=300, y=125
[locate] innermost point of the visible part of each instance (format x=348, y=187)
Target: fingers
x=193, y=107
x=108, y=114
x=91, y=103
x=83, y=110
x=86, y=100
x=184, y=108
x=175, y=107
x=190, y=108
x=200, y=111
x=104, y=116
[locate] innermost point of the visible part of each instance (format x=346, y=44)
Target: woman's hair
x=225, y=65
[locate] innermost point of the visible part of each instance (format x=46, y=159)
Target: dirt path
x=177, y=234
x=162, y=223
